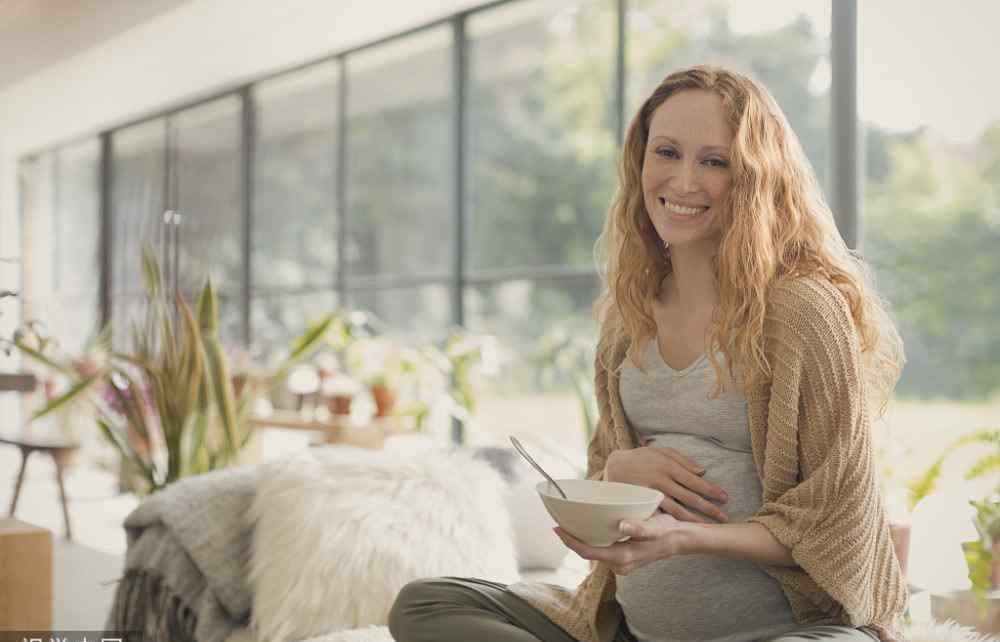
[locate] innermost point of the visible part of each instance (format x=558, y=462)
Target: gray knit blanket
x=186, y=570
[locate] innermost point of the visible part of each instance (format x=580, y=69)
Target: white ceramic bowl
x=592, y=509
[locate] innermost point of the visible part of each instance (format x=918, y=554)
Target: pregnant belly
x=707, y=597
x=703, y=597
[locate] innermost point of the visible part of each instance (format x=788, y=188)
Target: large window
x=541, y=147
x=400, y=145
x=931, y=219
x=464, y=170
x=138, y=201
x=208, y=197
x=60, y=227
x=294, y=214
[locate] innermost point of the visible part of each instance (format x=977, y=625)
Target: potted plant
x=339, y=390
x=168, y=405
x=377, y=363
x=982, y=555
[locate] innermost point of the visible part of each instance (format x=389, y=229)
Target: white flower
x=303, y=379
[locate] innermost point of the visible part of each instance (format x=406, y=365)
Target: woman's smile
x=680, y=212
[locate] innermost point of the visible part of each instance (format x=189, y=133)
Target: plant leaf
x=924, y=485
x=131, y=402
x=78, y=388
x=41, y=358
x=987, y=464
x=208, y=318
x=151, y=277
x=126, y=451
x=303, y=345
x=222, y=389
x=194, y=361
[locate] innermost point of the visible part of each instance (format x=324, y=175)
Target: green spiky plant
x=978, y=554
x=925, y=484
x=190, y=401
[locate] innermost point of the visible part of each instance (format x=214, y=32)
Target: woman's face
x=686, y=172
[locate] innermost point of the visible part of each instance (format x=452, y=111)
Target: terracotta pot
x=239, y=381
x=900, y=535
x=385, y=399
x=339, y=405
x=995, y=566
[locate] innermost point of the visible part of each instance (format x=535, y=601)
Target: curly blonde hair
x=774, y=224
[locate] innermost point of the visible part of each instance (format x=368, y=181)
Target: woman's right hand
x=678, y=477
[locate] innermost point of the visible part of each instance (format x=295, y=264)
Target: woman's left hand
x=657, y=538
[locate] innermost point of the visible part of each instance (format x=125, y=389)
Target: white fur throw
x=924, y=632
x=339, y=531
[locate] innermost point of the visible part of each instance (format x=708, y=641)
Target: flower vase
x=384, y=398
x=900, y=536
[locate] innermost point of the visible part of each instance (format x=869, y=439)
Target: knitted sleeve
x=821, y=496
x=598, y=448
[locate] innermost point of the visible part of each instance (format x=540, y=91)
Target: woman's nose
x=687, y=179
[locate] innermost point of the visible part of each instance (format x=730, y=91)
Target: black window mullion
x=460, y=77
x=247, y=147
x=844, y=148
x=620, y=75
x=341, y=187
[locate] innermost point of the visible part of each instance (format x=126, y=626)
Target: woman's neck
x=691, y=284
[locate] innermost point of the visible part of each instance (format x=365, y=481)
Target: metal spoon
x=519, y=448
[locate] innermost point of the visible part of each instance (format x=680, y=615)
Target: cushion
x=338, y=532
x=537, y=546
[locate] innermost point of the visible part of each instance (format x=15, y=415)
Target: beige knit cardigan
x=810, y=436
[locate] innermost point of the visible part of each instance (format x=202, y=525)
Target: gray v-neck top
x=699, y=597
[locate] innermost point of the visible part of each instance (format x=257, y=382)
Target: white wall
x=198, y=48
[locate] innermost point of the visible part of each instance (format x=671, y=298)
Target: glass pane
x=294, y=191
x=78, y=219
x=525, y=316
x=931, y=221
x=71, y=318
x=37, y=231
x=400, y=179
x=60, y=208
x=209, y=195
x=126, y=310
x=785, y=45
x=138, y=176
x=541, y=132
x=276, y=319
x=418, y=314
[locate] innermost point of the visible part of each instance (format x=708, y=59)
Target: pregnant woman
x=742, y=352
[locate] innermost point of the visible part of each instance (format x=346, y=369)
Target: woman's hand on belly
x=657, y=538
x=673, y=474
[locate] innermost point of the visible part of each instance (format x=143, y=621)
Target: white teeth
x=678, y=209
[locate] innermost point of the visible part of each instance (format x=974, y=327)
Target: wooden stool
x=60, y=451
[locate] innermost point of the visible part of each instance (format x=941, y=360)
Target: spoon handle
x=519, y=448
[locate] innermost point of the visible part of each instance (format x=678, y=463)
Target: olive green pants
x=458, y=609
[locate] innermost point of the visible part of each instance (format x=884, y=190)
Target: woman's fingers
x=672, y=507
x=682, y=459
x=693, y=500
x=699, y=485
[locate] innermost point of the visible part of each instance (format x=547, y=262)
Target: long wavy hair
x=774, y=224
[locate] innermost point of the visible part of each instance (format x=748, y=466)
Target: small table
x=59, y=450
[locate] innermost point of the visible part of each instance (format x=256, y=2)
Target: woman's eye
x=717, y=162
x=667, y=152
